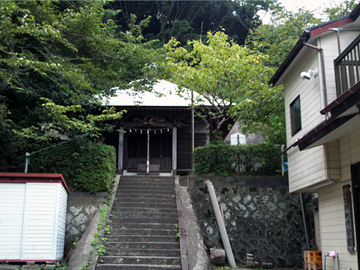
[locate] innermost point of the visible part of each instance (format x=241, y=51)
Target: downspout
x=221, y=224
x=322, y=67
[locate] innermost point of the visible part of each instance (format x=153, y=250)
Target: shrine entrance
x=158, y=151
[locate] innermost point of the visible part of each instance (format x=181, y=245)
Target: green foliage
x=277, y=38
x=85, y=165
x=232, y=79
x=108, y=229
x=342, y=9
x=56, y=59
x=104, y=212
x=224, y=160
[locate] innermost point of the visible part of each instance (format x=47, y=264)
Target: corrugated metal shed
x=32, y=217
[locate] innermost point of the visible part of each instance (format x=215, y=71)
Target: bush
x=88, y=166
x=224, y=160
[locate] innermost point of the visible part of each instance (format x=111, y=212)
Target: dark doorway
x=355, y=183
x=136, y=151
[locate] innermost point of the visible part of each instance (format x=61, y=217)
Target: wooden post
x=148, y=152
x=120, y=150
x=174, y=150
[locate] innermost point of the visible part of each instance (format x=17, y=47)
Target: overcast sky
x=294, y=5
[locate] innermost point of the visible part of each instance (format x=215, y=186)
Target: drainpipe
x=322, y=67
x=221, y=224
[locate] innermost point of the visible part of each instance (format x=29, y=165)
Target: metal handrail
x=221, y=224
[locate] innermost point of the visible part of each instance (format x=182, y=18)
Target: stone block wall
x=261, y=217
x=81, y=208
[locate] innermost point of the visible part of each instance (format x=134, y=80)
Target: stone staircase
x=144, y=226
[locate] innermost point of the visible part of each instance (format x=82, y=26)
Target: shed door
x=12, y=204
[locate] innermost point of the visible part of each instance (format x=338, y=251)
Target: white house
x=321, y=78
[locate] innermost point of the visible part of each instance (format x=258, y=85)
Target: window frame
x=295, y=115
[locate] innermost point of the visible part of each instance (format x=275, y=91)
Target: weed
x=101, y=250
x=108, y=229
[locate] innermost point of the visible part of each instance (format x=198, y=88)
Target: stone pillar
x=120, y=150
x=174, y=150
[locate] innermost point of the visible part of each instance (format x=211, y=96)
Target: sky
x=294, y=5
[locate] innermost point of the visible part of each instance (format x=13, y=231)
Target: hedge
x=224, y=159
x=88, y=166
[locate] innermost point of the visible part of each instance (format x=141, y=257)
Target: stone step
x=145, y=205
x=146, y=200
x=143, y=252
x=144, y=195
x=143, y=238
x=124, y=220
x=143, y=232
x=144, y=209
x=142, y=245
x=136, y=267
x=139, y=259
x=151, y=190
x=148, y=183
x=146, y=178
x=143, y=214
x=146, y=226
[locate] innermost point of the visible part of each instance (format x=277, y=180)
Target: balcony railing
x=347, y=67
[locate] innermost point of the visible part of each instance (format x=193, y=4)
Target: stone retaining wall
x=81, y=208
x=261, y=218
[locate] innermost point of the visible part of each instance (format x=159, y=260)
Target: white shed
x=32, y=217
x=237, y=138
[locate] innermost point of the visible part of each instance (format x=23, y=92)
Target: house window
x=295, y=116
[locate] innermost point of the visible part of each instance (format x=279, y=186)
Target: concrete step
x=143, y=238
x=142, y=245
x=139, y=259
x=152, y=190
x=143, y=252
x=144, y=225
x=143, y=214
x=144, y=195
x=124, y=220
x=144, y=205
x=148, y=184
x=143, y=232
x=144, y=209
x=136, y=267
x=146, y=199
x=146, y=178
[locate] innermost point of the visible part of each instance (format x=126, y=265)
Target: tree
x=229, y=79
x=56, y=58
x=188, y=20
x=337, y=11
x=277, y=38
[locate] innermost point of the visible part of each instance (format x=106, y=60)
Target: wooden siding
x=332, y=226
x=349, y=147
x=12, y=199
x=333, y=160
x=307, y=167
x=311, y=166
